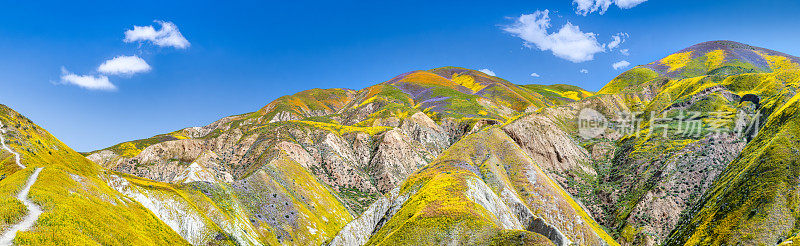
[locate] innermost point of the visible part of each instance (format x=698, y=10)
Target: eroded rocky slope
x=483, y=186
x=695, y=112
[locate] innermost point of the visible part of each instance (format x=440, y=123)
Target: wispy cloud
x=584, y=7
x=620, y=64
x=535, y=75
x=569, y=42
x=90, y=82
x=627, y=4
x=487, y=71
x=167, y=36
x=124, y=65
x=617, y=39
x=584, y=71
x=625, y=52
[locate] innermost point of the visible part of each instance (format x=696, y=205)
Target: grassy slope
x=68, y=189
x=322, y=214
x=753, y=201
x=282, y=187
x=679, y=78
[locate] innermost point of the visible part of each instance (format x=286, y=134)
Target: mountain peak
x=704, y=57
x=449, y=71
x=722, y=44
x=732, y=47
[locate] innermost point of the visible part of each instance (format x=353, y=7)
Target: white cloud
x=584, y=7
x=487, y=71
x=618, y=39
x=87, y=81
x=124, y=65
x=168, y=35
x=620, y=64
x=625, y=52
x=535, y=75
x=569, y=42
x=584, y=71
x=627, y=4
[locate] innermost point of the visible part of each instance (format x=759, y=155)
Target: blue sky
x=242, y=55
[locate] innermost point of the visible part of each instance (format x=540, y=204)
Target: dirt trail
x=33, y=212
x=3, y=143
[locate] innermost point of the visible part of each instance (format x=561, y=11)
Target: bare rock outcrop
x=551, y=147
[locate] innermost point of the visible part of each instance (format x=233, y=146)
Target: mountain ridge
x=432, y=156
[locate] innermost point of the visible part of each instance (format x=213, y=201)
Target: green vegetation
x=68, y=189
x=304, y=103
x=750, y=202
x=630, y=80
x=519, y=238
x=558, y=94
